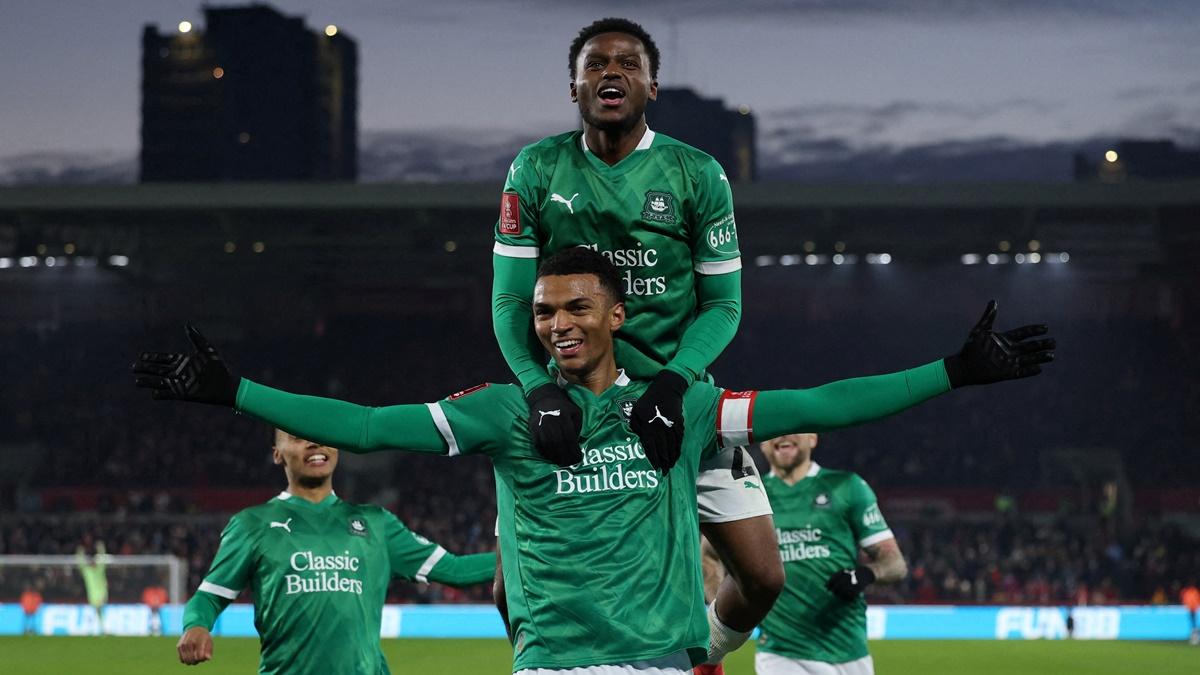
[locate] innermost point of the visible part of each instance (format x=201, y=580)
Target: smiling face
x=575, y=318
x=786, y=453
x=306, y=463
x=613, y=82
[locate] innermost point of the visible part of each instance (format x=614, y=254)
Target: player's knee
x=763, y=583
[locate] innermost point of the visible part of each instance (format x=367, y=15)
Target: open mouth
x=611, y=96
x=317, y=459
x=568, y=347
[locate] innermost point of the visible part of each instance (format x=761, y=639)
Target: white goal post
x=127, y=576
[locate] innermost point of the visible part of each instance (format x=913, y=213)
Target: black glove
x=847, y=584
x=657, y=419
x=554, y=423
x=989, y=356
x=200, y=376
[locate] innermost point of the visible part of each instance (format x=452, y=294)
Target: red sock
x=706, y=669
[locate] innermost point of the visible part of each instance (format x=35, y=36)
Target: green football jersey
x=319, y=575
x=600, y=558
x=822, y=521
x=661, y=215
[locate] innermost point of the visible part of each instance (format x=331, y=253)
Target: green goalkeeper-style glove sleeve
x=847, y=584
x=554, y=424
x=989, y=356
x=657, y=419
x=200, y=376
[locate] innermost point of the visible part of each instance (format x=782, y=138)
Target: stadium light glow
x=1035, y=258
x=970, y=259
x=258, y=247
x=1019, y=258
x=244, y=137
x=885, y=258
x=69, y=248
x=218, y=73
x=838, y=258
x=27, y=261
x=839, y=246
x=118, y=260
x=86, y=261
x=789, y=260
x=41, y=249
x=764, y=261
x=451, y=246
x=331, y=30
x=810, y=246
x=1064, y=257
x=6, y=263
x=1004, y=245
x=744, y=109
x=1111, y=156
x=230, y=247
x=185, y=26
x=51, y=261
x=1035, y=245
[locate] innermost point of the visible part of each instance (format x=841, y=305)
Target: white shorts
x=672, y=664
x=728, y=488
x=774, y=664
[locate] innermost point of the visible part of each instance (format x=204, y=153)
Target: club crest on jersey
x=821, y=501
x=358, y=526
x=659, y=207
x=625, y=407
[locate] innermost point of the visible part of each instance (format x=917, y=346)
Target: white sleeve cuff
x=220, y=591
x=509, y=251
x=722, y=267
x=875, y=538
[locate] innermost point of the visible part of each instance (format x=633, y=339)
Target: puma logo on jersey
x=563, y=200
x=543, y=413
x=659, y=416
x=287, y=525
x=853, y=577
x=750, y=485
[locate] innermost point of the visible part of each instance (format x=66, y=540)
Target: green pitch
x=154, y=656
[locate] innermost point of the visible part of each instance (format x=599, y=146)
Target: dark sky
x=896, y=72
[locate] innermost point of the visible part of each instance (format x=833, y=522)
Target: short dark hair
x=583, y=260
x=614, y=25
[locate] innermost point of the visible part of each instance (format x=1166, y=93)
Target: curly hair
x=614, y=25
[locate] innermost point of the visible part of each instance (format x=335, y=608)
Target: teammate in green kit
x=319, y=569
x=819, y=624
x=662, y=212
x=600, y=558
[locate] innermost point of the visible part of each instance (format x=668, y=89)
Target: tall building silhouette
x=726, y=134
x=255, y=95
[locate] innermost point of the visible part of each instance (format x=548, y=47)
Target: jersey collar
x=644, y=144
x=286, y=496
x=621, y=381
x=813, y=469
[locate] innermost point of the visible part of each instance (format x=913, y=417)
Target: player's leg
x=735, y=517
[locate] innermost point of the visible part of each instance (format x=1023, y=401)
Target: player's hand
x=989, y=356
x=657, y=419
x=195, y=646
x=848, y=584
x=200, y=376
x=554, y=423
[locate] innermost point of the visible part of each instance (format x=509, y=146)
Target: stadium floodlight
x=1035, y=258
x=331, y=30
x=838, y=259
x=185, y=26
x=118, y=260
x=1111, y=156
x=810, y=246
x=28, y=261
x=970, y=259
x=993, y=259
x=51, y=261
x=764, y=261
x=1019, y=258
x=1035, y=245
x=6, y=263
x=789, y=260
x=885, y=258
x=1064, y=257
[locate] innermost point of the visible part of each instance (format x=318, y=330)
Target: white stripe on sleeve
x=443, y=426
x=221, y=591
x=509, y=251
x=876, y=538
x=429, y=564
x=722, y=267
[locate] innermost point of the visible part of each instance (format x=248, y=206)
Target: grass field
x=153, y=656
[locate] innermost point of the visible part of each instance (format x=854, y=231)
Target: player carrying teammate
x=319, y=568
x=819, y=626
x=662, y=212
x=600, y=557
